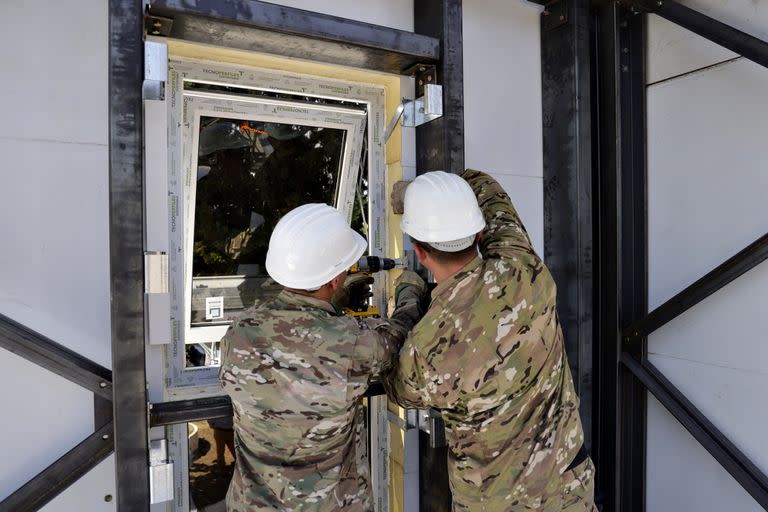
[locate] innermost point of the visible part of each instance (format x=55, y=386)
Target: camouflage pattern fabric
x=296, y=371
x=489, y=355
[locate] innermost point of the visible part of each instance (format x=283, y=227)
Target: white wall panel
x=502, y=87
x=44, y=416
x=707, y=172
x=527, y=195
x=673, y=50
x=390, y=13
x=725, y=329
x=54, y=57
x=682, y=475
x=54, y=266
x=90, y=492
x=733, y=399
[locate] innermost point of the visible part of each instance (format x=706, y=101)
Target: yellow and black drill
x=359, y=292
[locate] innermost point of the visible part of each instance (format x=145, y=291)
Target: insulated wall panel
x=682, y=476
x=54, y=84
x=731, y=397
x=502, y=87
x=707, y=172
x=44, y=416
x=94, y=492
x=54, y=266
x=707, y=178
x=673, y=50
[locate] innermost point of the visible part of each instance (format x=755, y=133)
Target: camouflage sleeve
x=406, y=384
x=504, y=232
x=224, y=347
x=377, y=346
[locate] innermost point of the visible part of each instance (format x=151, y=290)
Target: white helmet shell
x=441, y=209
x=311, y=245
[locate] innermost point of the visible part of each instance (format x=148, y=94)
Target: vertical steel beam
x=440, y=143
x=621, y=404
x=634, y=252
x=566, y=67
x=440, y=146
x=126, y=253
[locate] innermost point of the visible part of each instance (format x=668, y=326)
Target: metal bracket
x=423, y=109
x=431, y=422
x=155, y=70
x=160, y=473
x=423, y=74
x=555, y=15
x=409, y=423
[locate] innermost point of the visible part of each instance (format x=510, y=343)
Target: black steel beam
x=126, y=256
x=183, y=411
x=440, y=143
x=440, y=146
x=633, y=298
x=566, y=67
x=619, y=444
x=734, y=267
x=726, y=36
x=196, y=409
x=56, y=358
x=265, y=27
x=749, y=476
x=54, y=479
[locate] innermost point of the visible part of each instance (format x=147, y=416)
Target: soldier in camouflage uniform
x=489, y=356
x=296, y=370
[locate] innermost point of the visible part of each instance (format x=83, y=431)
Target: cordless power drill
x=358, y=300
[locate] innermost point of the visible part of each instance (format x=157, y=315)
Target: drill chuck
x=375, y=264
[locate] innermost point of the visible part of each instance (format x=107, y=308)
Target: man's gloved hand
x=409, y=287
x=397, y=197
x=355, y=292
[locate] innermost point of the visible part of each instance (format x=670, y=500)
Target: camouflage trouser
x=579, y=488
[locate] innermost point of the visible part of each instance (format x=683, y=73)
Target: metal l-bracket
x=423, y=109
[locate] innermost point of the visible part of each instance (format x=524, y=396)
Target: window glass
x=249, y=174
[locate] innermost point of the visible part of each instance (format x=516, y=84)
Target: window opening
x=211, y=461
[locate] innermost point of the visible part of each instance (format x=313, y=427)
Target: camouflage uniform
x=489, y=355
x=296, y=371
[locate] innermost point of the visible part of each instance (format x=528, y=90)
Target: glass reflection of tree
x=250, y=174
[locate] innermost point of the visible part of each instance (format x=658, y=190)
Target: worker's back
x=296, y=371
x=489, y=355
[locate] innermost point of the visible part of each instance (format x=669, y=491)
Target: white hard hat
x=311, y=245
x=441, y=209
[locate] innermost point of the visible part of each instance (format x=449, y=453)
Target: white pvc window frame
x=203, y=104
x=165, y=377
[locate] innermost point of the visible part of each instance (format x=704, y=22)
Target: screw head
x=429, y=78
x=562, y=18
x=421, y=82
x=102, y=384
x=105, y=437
x=108, y=498
x=157, y=24
x=625, y=68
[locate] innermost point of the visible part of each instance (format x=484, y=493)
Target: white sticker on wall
x=214, y=308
